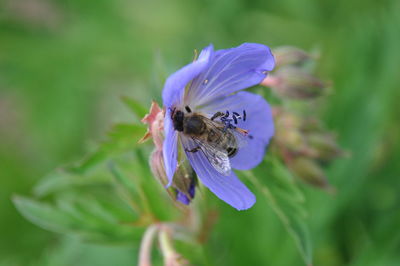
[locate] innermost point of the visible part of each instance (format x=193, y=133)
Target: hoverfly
x=218, y=140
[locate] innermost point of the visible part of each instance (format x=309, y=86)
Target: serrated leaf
x=287, y=202
x=62, y=179
x=135, y=106
x=83, y=217
x=44, y=215
x=122, y=138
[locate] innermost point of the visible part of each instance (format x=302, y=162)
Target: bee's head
x=177, y=119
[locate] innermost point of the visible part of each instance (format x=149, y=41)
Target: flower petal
x=182, y=198
x=175, y=85
x=186, y=198
x=231, y=70
x=170, y=147
x=228, y=188
x=259, y=123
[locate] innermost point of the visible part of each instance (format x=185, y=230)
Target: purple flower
x=213, y=84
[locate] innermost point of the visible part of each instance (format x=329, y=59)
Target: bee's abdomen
x=231, y=151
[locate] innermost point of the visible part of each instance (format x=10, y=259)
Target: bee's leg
x=193, y=150
x=217, y=114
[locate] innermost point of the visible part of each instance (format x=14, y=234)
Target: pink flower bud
x=292, y=82
x=155, y=121
x=287, y=55
x=310, y=172
x=183, y=186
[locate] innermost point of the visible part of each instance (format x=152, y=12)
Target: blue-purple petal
x=170, y=147
x=228, y=188
x=181, y=197
x=231, y=70
x=175, y=84
x=259, y=123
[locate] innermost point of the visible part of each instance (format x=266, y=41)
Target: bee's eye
x=187, y=108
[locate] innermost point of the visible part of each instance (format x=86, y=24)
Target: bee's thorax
x=194, y=125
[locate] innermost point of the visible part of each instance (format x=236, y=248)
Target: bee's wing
x=241, y=135
x=241, y=138
x=218, y=159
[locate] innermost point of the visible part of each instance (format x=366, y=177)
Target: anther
x=234, y=119
x=237, y=115
x=205, y=81
x=244, y=115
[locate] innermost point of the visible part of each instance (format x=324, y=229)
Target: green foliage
x=63, y=72
x=287, y=201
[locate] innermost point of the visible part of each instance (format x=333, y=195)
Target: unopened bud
x=324, y=146
x=184, y=182
x=287, y=126
x=285, y=119
x=157, y=166
x=310, y=172
x=155, y=121
x=183, y=185
x=288, y=55
x=292, y=82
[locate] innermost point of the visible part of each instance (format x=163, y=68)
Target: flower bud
x=287, y=127
x=183, y=185
x=324, y=146
x=310, y=172
x=294, y=83
x=157, y=166
x=288, y=55
x=155, y=121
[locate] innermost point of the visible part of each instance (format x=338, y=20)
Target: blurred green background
x=65, y=64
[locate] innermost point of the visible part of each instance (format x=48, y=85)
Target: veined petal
x=170, y=147
x=228, y=188
x=231, y=70
x=175, y=84
x=259, y=123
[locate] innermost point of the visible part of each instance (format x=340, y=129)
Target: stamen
x=243, y=131
x=205, y=81
x=244, y=115
x=237, y=115
x=234, y=119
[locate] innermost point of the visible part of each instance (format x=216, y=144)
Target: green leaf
x=286, y=200
x=85, y=217
x=62, y=179
x=135, y=106
x=44, y=215
x=122, y=138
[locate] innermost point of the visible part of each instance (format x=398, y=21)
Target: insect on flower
x=219, y=127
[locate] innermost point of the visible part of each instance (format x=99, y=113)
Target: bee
x=218, y=140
